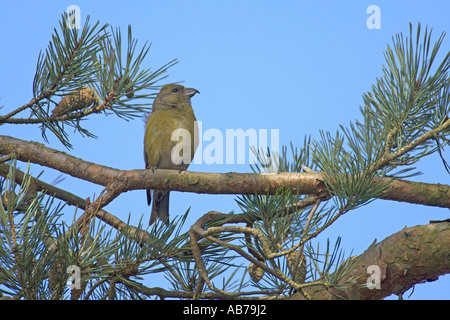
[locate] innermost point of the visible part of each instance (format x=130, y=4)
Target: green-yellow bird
x=170, y=140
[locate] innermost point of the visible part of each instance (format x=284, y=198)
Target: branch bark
x=411, y=256
x=212, y=183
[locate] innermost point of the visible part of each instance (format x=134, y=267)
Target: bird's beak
x=190, y=92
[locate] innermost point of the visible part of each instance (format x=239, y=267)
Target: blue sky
x=296, y=66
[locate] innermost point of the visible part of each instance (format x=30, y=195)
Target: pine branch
x=37, y=185
x=92, y=60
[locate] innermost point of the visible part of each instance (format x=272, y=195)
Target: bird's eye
x=173, y=107
x=175, y=90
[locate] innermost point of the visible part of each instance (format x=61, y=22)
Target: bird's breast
x=161, y=135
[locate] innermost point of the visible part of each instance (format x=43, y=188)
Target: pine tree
x=263, y=252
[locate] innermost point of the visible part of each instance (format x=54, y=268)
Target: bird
x=172, y=117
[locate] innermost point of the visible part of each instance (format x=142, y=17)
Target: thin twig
x=5, y=158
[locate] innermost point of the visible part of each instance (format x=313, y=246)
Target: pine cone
x=255, y=272
x=129, y=268
x=76, y=100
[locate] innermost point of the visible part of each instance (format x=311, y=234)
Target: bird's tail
x=160, y=207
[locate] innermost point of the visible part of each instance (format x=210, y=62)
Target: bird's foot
x=153, y=168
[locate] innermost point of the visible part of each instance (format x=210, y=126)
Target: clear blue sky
x=296, y=66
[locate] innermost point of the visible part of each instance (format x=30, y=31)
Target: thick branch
x=409, y=257
x=211, y=183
